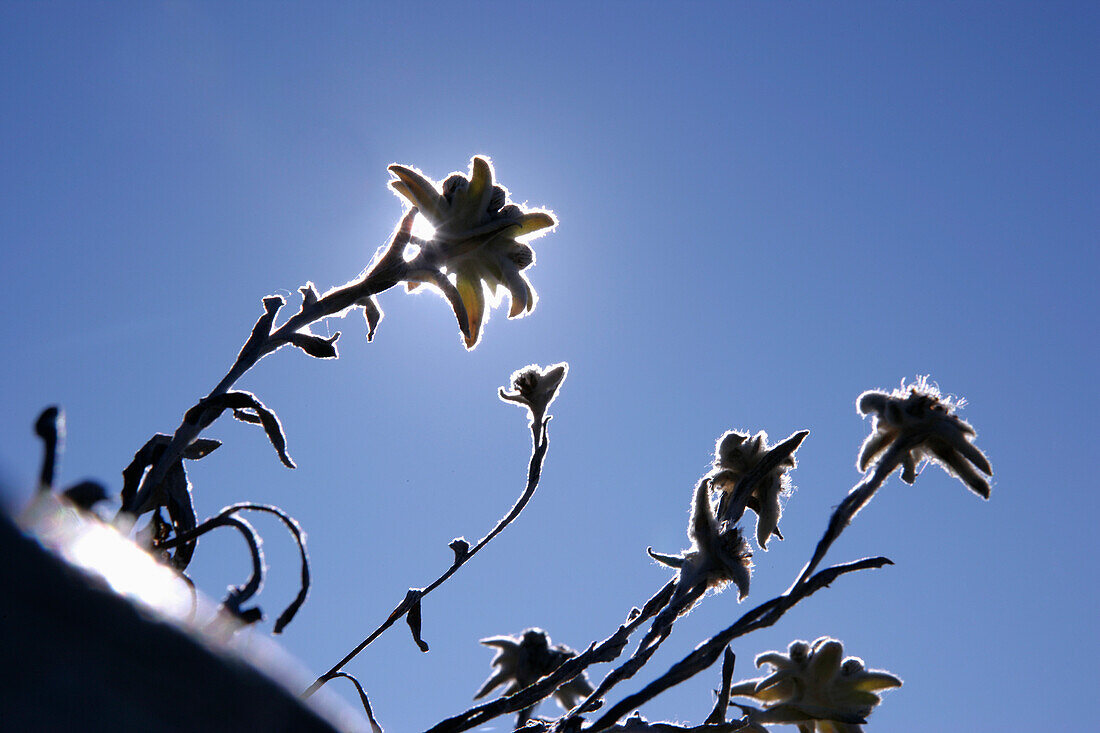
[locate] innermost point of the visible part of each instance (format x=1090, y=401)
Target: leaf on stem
x=299, y=537
x=181, y=512
x=718, y=714
x=373, y=313
x=315, y=346
x=413, y=618
x=247, y=408
x=461, y=549
x=375, y=727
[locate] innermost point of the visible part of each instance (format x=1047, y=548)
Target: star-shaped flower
x=735, y=454
x=476, y=242
x=718, y=556
x=536, y=388
x=522, y=662
x=922, y=421
x=814, y=687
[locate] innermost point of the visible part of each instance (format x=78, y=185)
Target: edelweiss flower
x=522, y=662
x=536, y=388
x=719, y=554
x=921, y=419
x=476, y=233
x=735, y=455
x=815, y=688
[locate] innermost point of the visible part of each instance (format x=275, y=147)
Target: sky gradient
x=765, y=209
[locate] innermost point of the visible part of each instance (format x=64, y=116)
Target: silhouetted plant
x=473, y=257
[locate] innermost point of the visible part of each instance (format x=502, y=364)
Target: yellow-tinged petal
x=856, y=699
x=875, y=680
x=520, y=292
x=421, y=192
x=745, y=689
x=530, y=223
x=776, y=659
x=473, y=298
x=825, y=662
x=478, y=192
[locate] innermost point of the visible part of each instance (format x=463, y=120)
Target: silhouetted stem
x=362, y=698
x=860, y=495
x=249, y=589
x=540, y=442
x=606, y=651
x=708, y=652
x=388, y=270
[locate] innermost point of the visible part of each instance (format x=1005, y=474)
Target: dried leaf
x=315, y=346
x=200, y=448
x=300, y=538
x=373, y=313
x=181, y=512
x=246, y=407
x=413, y=618
x=461, y=549
x=375, y=727
x=718, y=714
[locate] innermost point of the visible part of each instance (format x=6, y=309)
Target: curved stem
x=541, y=441
x=709, y=651
x=386, y=273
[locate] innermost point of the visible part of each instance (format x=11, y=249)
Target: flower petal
x=520, y=292
x=776, y=660
x=875, y=444
x=972, y=454
x=473, y=298
x=958, y=467
x=475, y=202
x=825, y=662
x=421, y=192
x=530, y=223
x=875, y=680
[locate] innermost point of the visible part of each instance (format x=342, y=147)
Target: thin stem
x=708, y=652
x=606, y=651
x=541, y=442
x=388, y=269
x=860, y=495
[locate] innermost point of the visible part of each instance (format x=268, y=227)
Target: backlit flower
x=536, y=388
x=718, y=555
x=814, y=687
x=735, y=455
x=476, y=243
x=521, y=662
x=922, y=422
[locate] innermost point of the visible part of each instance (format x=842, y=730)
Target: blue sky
x=765, y=209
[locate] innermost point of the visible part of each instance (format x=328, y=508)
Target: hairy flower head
x=815, y=687
x=921, y=422
x=735, y=455
x=718, y=555
x=535, y=387
x=522, y=661
x=476, y=247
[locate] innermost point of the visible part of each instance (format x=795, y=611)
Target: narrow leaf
x=375, y=727
x=181, y=511
x=247, y=408
x=200, y=448
x=718, y=714
x=315, y=346
x=413, y=618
